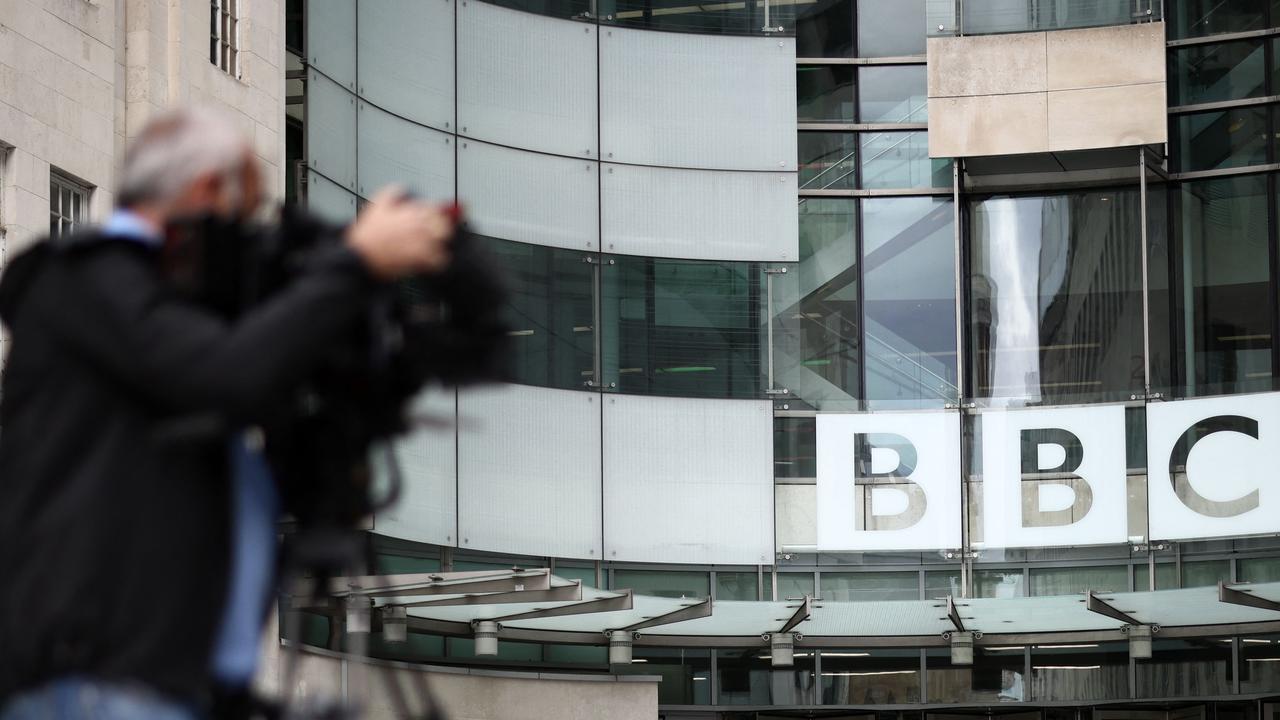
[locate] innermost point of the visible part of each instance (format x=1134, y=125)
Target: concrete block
x=988, y=125
x=1107, y=117
x=796, y=520
x=986, y=65
x=1108, y=56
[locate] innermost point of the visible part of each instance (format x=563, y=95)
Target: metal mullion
x=714, y=679
x=1273, y=255
x=1146, y=284
x=1223, y=38
x=1223, y=104
x=898, y=60
x=1224, y=172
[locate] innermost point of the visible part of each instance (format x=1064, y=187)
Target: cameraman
x=137, y=563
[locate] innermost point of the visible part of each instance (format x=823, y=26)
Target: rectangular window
x=224, y=35
x=68, y=204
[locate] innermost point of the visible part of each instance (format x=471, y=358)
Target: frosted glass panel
x=525, y=484
x=329, y=201
x=427, y=510
x=526, y=81
x=699, y=214
x=331, y=126
x=688, y=480
x=530, y=197
x=703, y=101
x=393, y=150
x=331, y=39
x=406, y=58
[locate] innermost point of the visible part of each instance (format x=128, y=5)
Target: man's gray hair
x=174, y=149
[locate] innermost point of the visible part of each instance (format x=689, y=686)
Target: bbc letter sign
x=889, y=481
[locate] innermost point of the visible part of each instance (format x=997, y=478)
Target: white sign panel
x=1054, y=477
x=1212, y=467
x=888, y=481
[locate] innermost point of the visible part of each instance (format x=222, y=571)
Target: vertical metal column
x=959, y=280
x=1146, y=285
x=597, y=364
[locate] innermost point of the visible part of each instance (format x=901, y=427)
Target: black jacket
x=114, y=528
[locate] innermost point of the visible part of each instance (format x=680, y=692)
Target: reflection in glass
x=1197, y=18
x=824, y=29
x=941, y=583
x=1205, y=573
x=737, y=586
x=549, y=310
x=1258, y=570
x=1025, y=15
x=795, y=585
x=997, y=675
x=795, y=447
x=1166, y=577
x=890, y=28
x=999, y=583
x=1056, y=292
x=683, y=327
x=827, y=160
x=867, y=586
x=909, y=326
x=743, y=17
x=824, y=93
x=870, y=677
x=901, y=160
x=1259, y=663
x=1226, y=310
x=892, y=94
x=815, y=309
x=1214, y=73
x=664, y=583
x=1075, y=580
x=747, y=677
x=1220, y=139
x=1199, y=667
x=553, y=8
x=686, y=674
x=1083, y=671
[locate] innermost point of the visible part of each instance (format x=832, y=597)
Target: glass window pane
x=1056, y=292
x=863, y=586
x=664, y=583
x=1259, y=663
x=686, y=674
x=1166, y=577
x=1088, y=671
x=554, y=8
x=683, y=327
x=549, y=310
x=464, y=648
x=1071, y=581
x=1023, y=15
x=892, y=94
x=901, y=160
x=1223, y=139
x=815, y=310
x=575, y=654
x=733, y=18
x=871, y=677
x=737, y=586
x=586, y=574
x=795, y=448
x=1214, y=73
x=827, y=161
x=999, y=583
x=941, y=583
x=1205, y=573
x=910, y=327
x=1258, y=570
x=793, y=585
x=824, y=29
x=890, y=28
x=995, y=676
x=747, y=677
x=1225, y=295
x=393, y=564
x=1197, y=667
x=824, y=93
x=1197, y=18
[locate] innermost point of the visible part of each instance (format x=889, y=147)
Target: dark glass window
x=683, y=327
x=890, y=28
x=1205, y=573
x=1075, y=580
x=737, y=586
x=549, y=311
x=1056, y=292
x=1166, y=577
x=871, y=677
x=901, y=160
x=1194, y=667
x=1214, y=73
x=1259, y=663
x=865, y=586
x=730, y=18
x=824, y=29
x=827, y=161
x=795, y=585
x=1258, y=570
x=910, y=326
x=1087, y=671
x=1197, y=18
x=999, y=583
x=892, y=94
x=984, y=18
x=1226, y=309
x=686, y=674
x=997, y=675
x=747, y=677
x=664, y=583
x=795, y=447
x=941, y=583
x=1220, y=139
x=824, y=93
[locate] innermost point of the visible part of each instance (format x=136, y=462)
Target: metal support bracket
x=451, y=583
x=564, y=593
x=802, y=613
x=688, y=612
x=1236, y=596
x=953, y=614
x=605, y=604
x=1093, y=603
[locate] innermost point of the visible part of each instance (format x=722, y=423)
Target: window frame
x=67, y=220
x=224, y=36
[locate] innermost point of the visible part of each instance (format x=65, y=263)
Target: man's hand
x=397, y=236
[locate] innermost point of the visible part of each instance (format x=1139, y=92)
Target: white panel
x=693, y=100
x=529, y=471
x=393, y=150
x=329, y=201
x=331, y=39
x=331, y=130
x=427, y=509
x=1229, y=487
x=930, y=521
x=527, y=81
x=699, y=214
x=530, y=197
x=406, y=58
x=688, y=480
x=1100, y=470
